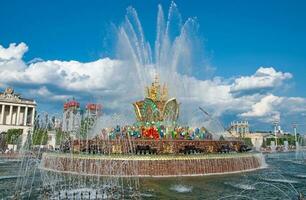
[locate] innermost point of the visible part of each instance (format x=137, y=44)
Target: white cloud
x=13, y=51
x=71, y=75
x=264, y=78
x=44, y=93
x=10, y=58
x=271, y=108
x=265, y=108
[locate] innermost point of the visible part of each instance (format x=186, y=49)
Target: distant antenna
x=275, y=123
x=294, y=126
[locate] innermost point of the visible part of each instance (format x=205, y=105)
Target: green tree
x=40, y=137
x=86, y=125
x=264, y=144
x=247, y=141
x=60, y=136
x=221, y=138
x=291, y=140
x=13, y=136
x=3, y=142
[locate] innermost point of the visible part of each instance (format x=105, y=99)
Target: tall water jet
x=177, y=50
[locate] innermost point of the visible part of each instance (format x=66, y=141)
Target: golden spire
x=155, y=92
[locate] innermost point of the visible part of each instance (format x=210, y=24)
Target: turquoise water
x=284, y=178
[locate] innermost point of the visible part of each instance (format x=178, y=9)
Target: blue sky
x=239, y=36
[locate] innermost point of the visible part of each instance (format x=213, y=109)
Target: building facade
x=239, y=128
x=71, y=117
x=93, y=110
x=16, y=112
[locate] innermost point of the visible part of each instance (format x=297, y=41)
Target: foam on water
x=280, y=180
x=181, y=188
x=146, y=195
x=8, y=177
x=242, y=186
x=3, y=161
x=298, y=162
x=300, y=175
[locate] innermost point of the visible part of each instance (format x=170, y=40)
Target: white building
x=239, y=128
x=16, y=112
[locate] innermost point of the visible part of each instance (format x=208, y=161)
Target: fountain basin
x=151, y=165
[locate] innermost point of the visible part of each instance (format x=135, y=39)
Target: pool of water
x=283, y=178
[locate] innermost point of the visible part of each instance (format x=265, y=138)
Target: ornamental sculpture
x=9, y=95
x=157, y=107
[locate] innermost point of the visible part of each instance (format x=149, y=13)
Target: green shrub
x=247, y=141
x=13, y=136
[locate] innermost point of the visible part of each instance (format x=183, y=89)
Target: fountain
x=152, y=147
x=109, y=162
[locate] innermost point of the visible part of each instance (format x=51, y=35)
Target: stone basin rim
x=151, y=157
x=257, y=160
x=148, y=176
